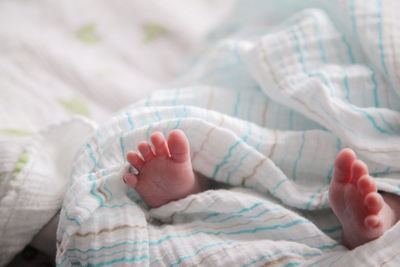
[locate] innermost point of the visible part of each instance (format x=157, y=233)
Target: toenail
x=375, y=223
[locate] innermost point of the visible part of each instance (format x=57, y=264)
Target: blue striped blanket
x=270, y=109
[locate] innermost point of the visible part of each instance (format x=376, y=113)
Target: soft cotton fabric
x=276, y=105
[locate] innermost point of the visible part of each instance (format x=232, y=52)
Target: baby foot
x=364, y=213
x=166, y=173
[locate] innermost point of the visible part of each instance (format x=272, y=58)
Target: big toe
x=178, y=145
x=343, y=165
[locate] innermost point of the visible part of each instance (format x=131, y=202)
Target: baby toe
x=145, y=150
x=160, y=145
x=374, y=202
x=135, y=160
x=130, y=179
x=372, y=221
x=366, y=185
x=358, y=169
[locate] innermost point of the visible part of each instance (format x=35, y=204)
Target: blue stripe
x=329, y=246
x=295, y=263
x=387, y=124
x=185, y=115
x=349, y=50
x=175, y=100
x=320, y=44
x=158, y=115
x=225, y=159
x=91, y=155
x=375, y=88
x=93, y=193
x=108, y=191
x=252, y=207
x=228, y=178
x=384, y=172
x=275, y=188
x=351, y=7
x=298, y=50
x=346, y=85
x=370, y=118
x=122, y=147
x=244, y=139
x=72, y=219
x=294, y=171
x=149, y=129
x=380, y=36
x=78, y=204
x=310, y=201
x=301, y=59
x=92, y=190
x=120, y=205
x=131, y=124
x=330, y=172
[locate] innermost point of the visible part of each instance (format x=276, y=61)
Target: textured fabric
x=34, y=178
x=277, y=105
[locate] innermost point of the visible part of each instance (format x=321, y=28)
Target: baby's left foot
x=364, y=213
x=166, y=173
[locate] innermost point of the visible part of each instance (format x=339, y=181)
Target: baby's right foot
x=166, y=173
x=364, y=213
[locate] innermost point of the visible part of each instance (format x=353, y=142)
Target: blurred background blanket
x=59, y=60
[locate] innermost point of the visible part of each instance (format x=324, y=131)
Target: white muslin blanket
x=272, y=109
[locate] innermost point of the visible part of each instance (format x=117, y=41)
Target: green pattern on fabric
x=22, y=160
x=15, y=132
x=153, y=31
x=2, y=175
x=76, y=105
x=88, y=34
